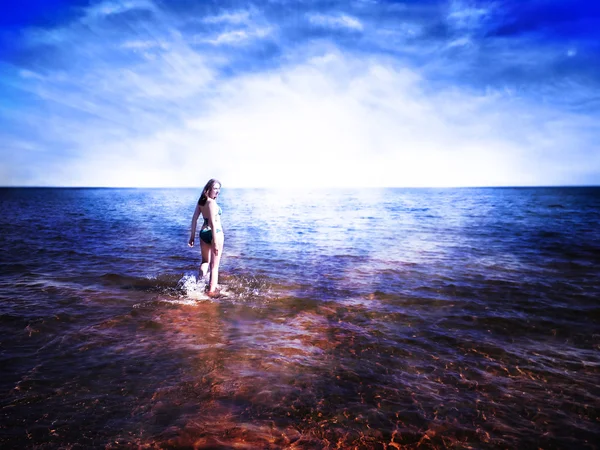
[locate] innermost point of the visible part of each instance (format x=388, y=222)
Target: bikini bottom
x=207, y=235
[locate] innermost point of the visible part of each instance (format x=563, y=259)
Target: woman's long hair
x=208, y=187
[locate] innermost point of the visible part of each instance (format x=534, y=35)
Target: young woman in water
x=211, y=234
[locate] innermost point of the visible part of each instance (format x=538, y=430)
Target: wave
x=163, y=281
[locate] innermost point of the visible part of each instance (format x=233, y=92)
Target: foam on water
x=171, y=301
x=192, y=292
x=193, y=288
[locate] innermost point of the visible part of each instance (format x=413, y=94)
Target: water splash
x=192, y=288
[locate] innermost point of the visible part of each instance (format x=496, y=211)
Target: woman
x=211, y=234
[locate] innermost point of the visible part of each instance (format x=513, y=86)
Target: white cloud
x=331, y=119
x=460, y=42
x=108, y=7
x=235, y=28
x=237, y=36
x=341, y=122
x=462, y=16
x=237, y=17
x=144, y=45
x=335, y=21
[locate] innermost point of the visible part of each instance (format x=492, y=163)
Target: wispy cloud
x=112, y=7
x=238, y=36
x=336, y=21
x=236, y=17
x=144, y=45
x=463, y=16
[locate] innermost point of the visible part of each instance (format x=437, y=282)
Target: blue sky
x=299, y=93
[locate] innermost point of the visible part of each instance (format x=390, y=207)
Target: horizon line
x=318, y=187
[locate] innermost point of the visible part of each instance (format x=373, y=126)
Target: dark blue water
x=392, y=318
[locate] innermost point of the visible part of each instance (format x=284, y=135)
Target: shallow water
x=372, y=319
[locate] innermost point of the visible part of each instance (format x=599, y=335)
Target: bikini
x=206, y=233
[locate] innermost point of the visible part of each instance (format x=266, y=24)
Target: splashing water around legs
x=193, y=288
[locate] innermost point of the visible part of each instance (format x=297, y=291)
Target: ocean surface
x=377, y=318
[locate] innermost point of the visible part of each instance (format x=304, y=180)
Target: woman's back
x=206, y=212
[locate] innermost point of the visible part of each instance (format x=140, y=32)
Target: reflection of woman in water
x=211, y=233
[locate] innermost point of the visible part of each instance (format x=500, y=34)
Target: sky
x=284, y=93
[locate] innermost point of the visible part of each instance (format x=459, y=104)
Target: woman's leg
x=214, y=271
x=206, y=253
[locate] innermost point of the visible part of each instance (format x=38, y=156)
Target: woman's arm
x=194, y=222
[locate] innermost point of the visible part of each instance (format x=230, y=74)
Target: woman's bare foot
x=214, y=294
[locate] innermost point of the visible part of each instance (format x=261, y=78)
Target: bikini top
x=206, y=218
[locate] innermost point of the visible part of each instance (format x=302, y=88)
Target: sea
x=348, y=319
